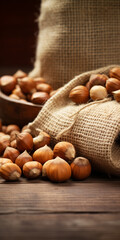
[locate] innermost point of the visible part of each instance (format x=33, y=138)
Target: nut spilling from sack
x=98, y=87
x=23, y=154
x=21, y=87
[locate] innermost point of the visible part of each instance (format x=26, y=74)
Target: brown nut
x=45, y=167
x=116, y=95
x=64, y=150
x=43, y=154
x=12, y=127
x=39, y=80
x=13, y=135
x=32, y=169
x=24, y=141
x=81, y=168
x=7, y=83
x=23, y=158
x=97, y=79
x=39, y=97
x=41, y=140
x=11, y=153
x=112, y=84
x=10, y=172
x=26, y=84
x=17, y=91
x=4, y=142
x=115, y=73
x=58, y=170
x=13, y=96
x=20, y=74
x=44, y=87
x=13, y=144
x=98, y=92
x=79, y=94
x=4, y=161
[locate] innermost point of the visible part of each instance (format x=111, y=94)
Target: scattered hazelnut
x=97, y=79
x=39, y=97
x=115, y=73
x=13, y=135
x=116, y=95
x=7, y=83
x=24, y=141
x=58, y=170
x=11, y=153
x=41, y=140
x=17, y=91
x=44, y=168
x=32, y=169
x=13, y=144
x=12, y=127
x=4, y=161
x=98, y=92
x=43, y=154
x=26, y=84
x=81, y=168
x=79, y=94
x=10, y=172
x=64, y=150
x=23, y=158
x=4, y=142
x=39, y=80
x=20, y=74
x=44, y=87
x=112, y=84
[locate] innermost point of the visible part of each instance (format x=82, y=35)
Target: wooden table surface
x=38, y=209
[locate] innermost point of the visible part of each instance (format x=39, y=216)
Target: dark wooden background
x=18, y=34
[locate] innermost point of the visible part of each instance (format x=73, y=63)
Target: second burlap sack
x=93, y=127
x=76, y=36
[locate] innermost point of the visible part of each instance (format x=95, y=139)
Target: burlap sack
x=76, y=36
x=93, y=128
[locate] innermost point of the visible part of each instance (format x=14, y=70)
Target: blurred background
x=18, y=35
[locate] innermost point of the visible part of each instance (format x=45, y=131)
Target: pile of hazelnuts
x=98, y=87
x=24, y=88
x=22, y=154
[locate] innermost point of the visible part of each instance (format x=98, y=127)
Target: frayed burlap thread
x=94, y=131
x=76, y=36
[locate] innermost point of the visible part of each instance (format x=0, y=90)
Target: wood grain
x=73, y=197
x=60, y=226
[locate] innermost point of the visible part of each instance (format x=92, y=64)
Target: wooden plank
x=68, y=197
x=60, y=226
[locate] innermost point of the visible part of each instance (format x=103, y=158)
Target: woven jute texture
x=76, y=36
x=95, y=129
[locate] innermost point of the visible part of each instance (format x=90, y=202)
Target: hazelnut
x=44, y=168
x=58, y=170
x=12, y=127
x=112, y=84
x=97, y=79
x=115, y=73
x=79, y=94
x=39, y=80
x=39, y=97
x=26, y=129
x=41, y=140
x=64, y=150
x=17, y=91
x=26, y=84
x=98, y=92
x=116, y=95
x=11, y=153
x=44, y=87
x=23, y=158
x=4, y=161
x=24, y=141
x=81, y=168
x=7, y=84
x=32, y=169
x=20, y=74
x=13, y=96
x=10, y=172
x=4, y=142
x=43, y=154
x=13, y=144
x=13, y=135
